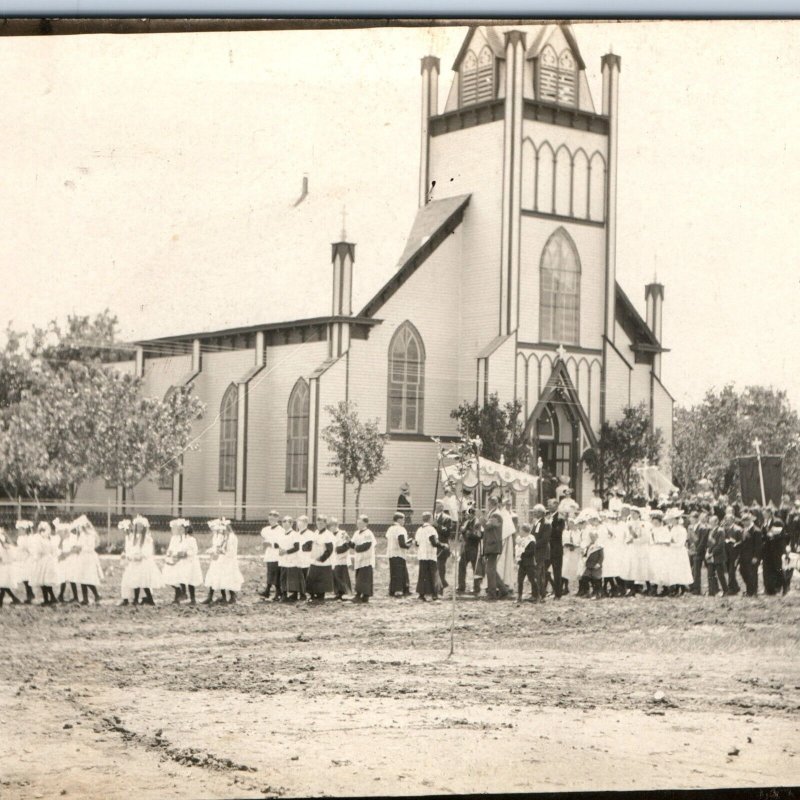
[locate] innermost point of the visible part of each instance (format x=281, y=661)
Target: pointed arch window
x=560, y=290
x=557, y=77
x=406, y=380
x=228, y=429
x=297, y=438
x=477, y=77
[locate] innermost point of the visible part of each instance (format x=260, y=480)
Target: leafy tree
x=710, y=436
x=501, y=429
x=357, y=448
x=66, y=415
x=621, y=446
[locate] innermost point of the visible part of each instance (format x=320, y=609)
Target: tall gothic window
x=560, y=290
x=406, y=380
x=228, y=427
x=477, y=77
x=297, y=438
x=557, y=77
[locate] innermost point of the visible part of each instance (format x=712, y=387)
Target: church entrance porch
x=559, y=429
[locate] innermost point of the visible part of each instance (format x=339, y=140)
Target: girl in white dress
x=8, y=572
x=223, y=575
x=68, y=560
x=212, y=574
x=611, y=541
x=132, y=561
x=148, y=576
x=88, y=570
x=680, y=568
x=23, y=563
x=182, y=570
x=44, y=547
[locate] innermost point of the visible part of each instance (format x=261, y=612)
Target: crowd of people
x=616, y=549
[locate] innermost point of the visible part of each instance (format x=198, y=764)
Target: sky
x=156, y=175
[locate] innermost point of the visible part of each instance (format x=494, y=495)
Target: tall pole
x=757, y=445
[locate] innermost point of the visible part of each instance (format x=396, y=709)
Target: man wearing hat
x=445, y=528
x=556, y=521
x=750, y=550
x=774, y=544
x=693, y=531
x=541, y=532
x=793, y=527
x=733, y=541
x=715, y=557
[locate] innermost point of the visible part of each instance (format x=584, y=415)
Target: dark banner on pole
x=750, y=484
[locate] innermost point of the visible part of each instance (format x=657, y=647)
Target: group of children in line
x=49, y=558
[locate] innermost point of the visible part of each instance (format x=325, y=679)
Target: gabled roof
x=543, y=36
x=541, y=33
x=644, y=336
x=432, y=225
x=492, y=37
x=560, y=380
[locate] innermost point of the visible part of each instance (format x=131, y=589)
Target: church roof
x=538, y=35
x=432, y=225
x=644, y=336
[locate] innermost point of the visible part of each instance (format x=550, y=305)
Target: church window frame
x=406, y=381
x=560, y=290
x=228, y=438
x=298, y=412
x=557, y=77
x=477, y=79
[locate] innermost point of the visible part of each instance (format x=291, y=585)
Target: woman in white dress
x=24, y=561
x=659, y=554
x=182, y=565
x=8, y=572
x=88, y=570
x=680, y=568
x=44, y=548
x=571, y=541
x=638, y=540
x=212, y=573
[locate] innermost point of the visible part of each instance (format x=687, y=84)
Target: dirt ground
x=261, y=699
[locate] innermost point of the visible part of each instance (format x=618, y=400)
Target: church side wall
x=267, y=424
x=640, y=386
x=470, y=161
x=662, y=420
x=618, y=382
x=201, y=495
x=332, y=389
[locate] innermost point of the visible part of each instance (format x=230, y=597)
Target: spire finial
x=344, y=223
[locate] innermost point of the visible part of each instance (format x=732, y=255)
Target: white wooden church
x=517, y=207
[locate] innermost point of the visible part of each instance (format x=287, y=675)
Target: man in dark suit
x=715, y=558
x=750, y=553
x=542, y=534
x=701, y=544
x=492, y=547
x=470, y=551
x=733, y=541
x=445, y=527
x=774, y=540
x=556, y=523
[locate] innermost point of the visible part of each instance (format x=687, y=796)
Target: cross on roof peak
x=561, y=352
x=344, y=223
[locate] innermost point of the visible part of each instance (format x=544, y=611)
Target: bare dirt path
x=264, y=700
